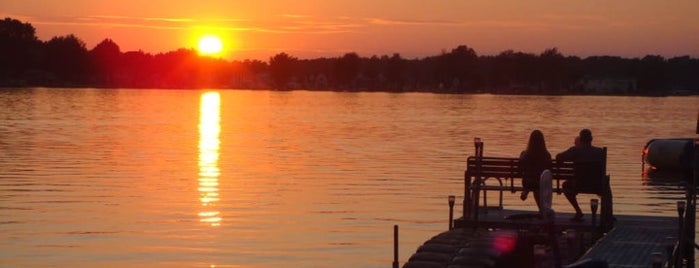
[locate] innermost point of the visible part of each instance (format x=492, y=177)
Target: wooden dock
x=488, y=236
x=634, y=239
x=630, y=243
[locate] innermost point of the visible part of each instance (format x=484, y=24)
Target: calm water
x=166, y=178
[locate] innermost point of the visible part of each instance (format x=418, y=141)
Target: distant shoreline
x=671, y=94
x=64, y=61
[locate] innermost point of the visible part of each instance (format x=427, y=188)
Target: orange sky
x=259, y=29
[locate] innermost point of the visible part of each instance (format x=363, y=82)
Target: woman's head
x=536, y=141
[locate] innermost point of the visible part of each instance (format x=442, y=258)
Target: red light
x=504, y=242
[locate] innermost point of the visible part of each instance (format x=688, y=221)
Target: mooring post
x=594, y=204
x=477, y=187
x=451, y=211
x=466, y=209
x=680, y=233
x=470, y=198
x=395, y=246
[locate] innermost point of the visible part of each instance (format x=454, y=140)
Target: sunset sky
x=260, y=29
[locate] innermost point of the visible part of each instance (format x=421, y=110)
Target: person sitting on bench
x=532, y=161
x=589, y=162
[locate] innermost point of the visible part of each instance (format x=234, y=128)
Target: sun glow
x=210, y=45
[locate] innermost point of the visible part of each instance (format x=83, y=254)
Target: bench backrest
x=508, y=168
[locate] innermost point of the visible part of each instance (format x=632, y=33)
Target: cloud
x=107, y=21
x=381, y=21
x=282, y=24
x=295, y=16
x=171, y=19
x=488, y=24
x=305, y=24
x=296, y=23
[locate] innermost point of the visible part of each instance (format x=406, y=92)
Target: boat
x=667, y=160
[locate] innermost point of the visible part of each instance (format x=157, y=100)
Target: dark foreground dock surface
x=634, y=239
x=630, y=243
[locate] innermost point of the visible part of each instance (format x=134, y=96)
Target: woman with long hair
x=532, y=161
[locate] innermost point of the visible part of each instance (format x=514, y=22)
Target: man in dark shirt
x=589, y=163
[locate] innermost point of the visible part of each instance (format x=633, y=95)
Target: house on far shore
x=608, y=85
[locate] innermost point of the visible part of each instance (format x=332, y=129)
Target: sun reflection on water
x=209, y=130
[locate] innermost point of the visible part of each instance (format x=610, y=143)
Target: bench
x=500, y=174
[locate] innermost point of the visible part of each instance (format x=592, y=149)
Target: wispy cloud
x=295, y=16
x=305, y=24
x=282, y=24
x=382, y=21
x=108, y=21
x=466, y=23
x=293, y=23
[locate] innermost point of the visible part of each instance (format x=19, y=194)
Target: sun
x=210, y=45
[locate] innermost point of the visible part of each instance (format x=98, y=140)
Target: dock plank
x=634, y=239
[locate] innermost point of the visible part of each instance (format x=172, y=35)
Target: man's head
x=585, y=136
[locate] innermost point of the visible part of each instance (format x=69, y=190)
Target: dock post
x=467, y=205
x=594, y=204
x=477, y=190
x=395, y=246
x=451, y=211
x=680, y=231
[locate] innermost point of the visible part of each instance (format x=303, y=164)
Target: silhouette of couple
x=536, y=159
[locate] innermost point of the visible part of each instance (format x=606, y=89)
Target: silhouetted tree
x=463, y=61
x=456, y=70
x=504, y=70
x=552, y=70
x=66, y=57
x=651, y=74
x=19, y=50
x=683, y=72
x=515, y=72
x=395, y=68
x=248, y=74
x=105, y=58
x=347, y=69
x=281, y=69
x=176, y=69
x=139, y=70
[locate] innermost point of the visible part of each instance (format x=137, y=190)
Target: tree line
x=65, y=61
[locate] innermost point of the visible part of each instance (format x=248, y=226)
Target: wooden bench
x=505, y=171
x=484, y=174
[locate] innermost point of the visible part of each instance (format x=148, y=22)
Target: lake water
x=235, y=178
